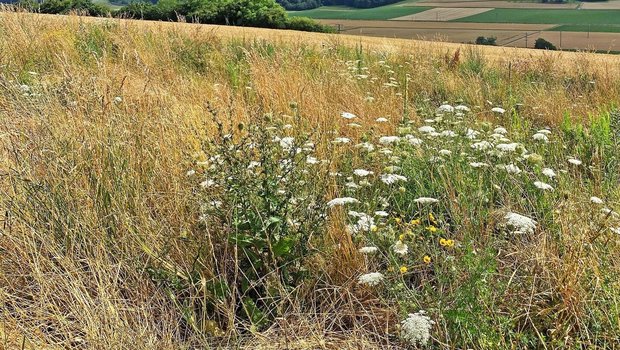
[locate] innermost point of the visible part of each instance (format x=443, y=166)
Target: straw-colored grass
x=100, y=120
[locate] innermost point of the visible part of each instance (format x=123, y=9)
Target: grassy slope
x=104, y=227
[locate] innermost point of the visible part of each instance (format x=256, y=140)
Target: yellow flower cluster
x=446, y=242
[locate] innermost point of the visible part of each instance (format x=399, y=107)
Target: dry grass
x=92, y=188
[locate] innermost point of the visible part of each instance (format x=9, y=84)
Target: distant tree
x=254, y=13
x=29, y=5
x=481, y=40
x=66, y=6
x=544, y=44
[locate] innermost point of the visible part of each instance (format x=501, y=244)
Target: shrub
x=307, y=25
x=544, y=44
x=481, y=40
x=259, y=208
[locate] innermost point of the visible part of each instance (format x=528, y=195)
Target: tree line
x=298, y=5
x=251, y=13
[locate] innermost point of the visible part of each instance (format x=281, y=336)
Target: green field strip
x=535, y=16
x=378, y=13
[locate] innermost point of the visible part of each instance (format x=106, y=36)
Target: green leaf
x=253, y=312
x=283, y=246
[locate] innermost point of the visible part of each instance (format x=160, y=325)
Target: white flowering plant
x=261, y=197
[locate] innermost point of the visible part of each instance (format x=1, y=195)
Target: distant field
x=573, y=17
x=108, y=4
x=343, y=12
x=598, y=28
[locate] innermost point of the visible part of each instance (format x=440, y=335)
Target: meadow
x=177, y=186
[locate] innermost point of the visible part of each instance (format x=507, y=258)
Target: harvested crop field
x=352, y=24
x=507, y=34
x=443, y=14
x=498, y=4
x=607, y=5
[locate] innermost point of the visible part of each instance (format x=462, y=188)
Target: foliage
x=544, y=44
x=262, y=200
x=86, y=7
x=481, y=40
x=261, y=13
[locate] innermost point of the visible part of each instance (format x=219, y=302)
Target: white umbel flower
x=414, y=141
x=549, y=173
x=462, y=108
x=386, y=140
x=341, y=201
x=208, y=183
x=368, y=250
x=416, y=329
x=371, y=279
x=347, y=115
x=287, y=143
x=426, y=200
x=540, y=137
x=367, y=146
x=364, y=223
x=400, y=248
x=512, y=169
x=574, y=161
x=478, y=164
x=362, y=172
x=498, y=110
x=596, y=200
x=482, y=145
x=520, y=223
x=472, y=134
x=312, y=160
x=445, y=109
x=341, y=140
x=500, y=130
x=390, y=179
x=426, y=129
x=507, y=147
x=448, y=133
x=381, y=120
x=543, y=186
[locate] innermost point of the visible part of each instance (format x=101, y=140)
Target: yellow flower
x=415, y=222
x=427, y=259
x=450, y=243
x=409, y=233
x=432, y=229
x=443, y=242
x=432, y=218
x=397, y=220
x=390, y=268
x=374, y=228
x=401, y=238
x=403, y=269
x=402, y=189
